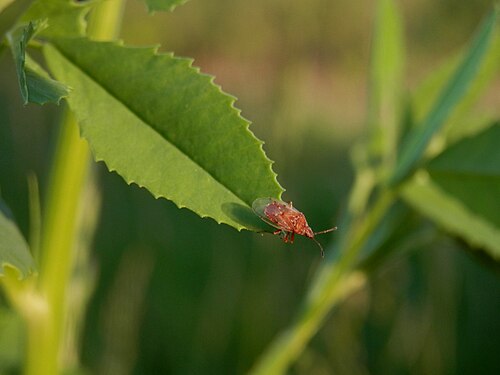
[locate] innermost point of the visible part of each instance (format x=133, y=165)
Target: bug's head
x=308, y=232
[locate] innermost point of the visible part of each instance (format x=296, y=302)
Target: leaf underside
x=35, y=84
x=41, y=88
x=163, y=125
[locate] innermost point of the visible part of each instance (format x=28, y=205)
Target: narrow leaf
x=386, y=75
x=463, y=121
x=14, y=250
x=35, y=84
x=420, y=137
x=161, y=124
x=163, y=5
x=470, y=171
x=451, y=214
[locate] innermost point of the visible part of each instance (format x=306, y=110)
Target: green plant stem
x=335, y=281
x=60, y=229
x=106, y=20
x=35, y=216
x=70, y=168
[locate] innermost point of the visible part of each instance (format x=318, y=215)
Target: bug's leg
x=292, y=237
x=277, y=231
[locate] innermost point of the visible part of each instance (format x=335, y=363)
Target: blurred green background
x=170, y=293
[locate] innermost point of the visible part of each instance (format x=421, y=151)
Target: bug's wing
x=259, y=205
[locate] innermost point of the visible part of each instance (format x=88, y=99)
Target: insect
x=287, y=219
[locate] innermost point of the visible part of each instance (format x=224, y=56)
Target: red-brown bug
x=287, y=219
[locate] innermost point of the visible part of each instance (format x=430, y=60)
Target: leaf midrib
x=123, y=103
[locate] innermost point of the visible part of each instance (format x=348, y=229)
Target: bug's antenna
x=321, y=247
x=326, y=231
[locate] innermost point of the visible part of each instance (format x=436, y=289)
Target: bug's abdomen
x=277, y=215
x=286, y=218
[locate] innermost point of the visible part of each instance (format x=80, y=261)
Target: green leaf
x=66, y=18
x=470, y=171
x=163, y=5
x=35, y=84
x=10, y=15
x=427, y=93
x=387, y=64
x=420, y=137
x=163, y=125
x=463, y=121
x=41, y=88
x=451, y=214
x=14, y=250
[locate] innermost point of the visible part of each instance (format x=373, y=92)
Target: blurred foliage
x=178, y=295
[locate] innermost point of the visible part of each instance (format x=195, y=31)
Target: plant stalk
x=60, y=225
x=70, y=167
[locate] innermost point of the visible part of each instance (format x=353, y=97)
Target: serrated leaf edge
x=189, y=61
